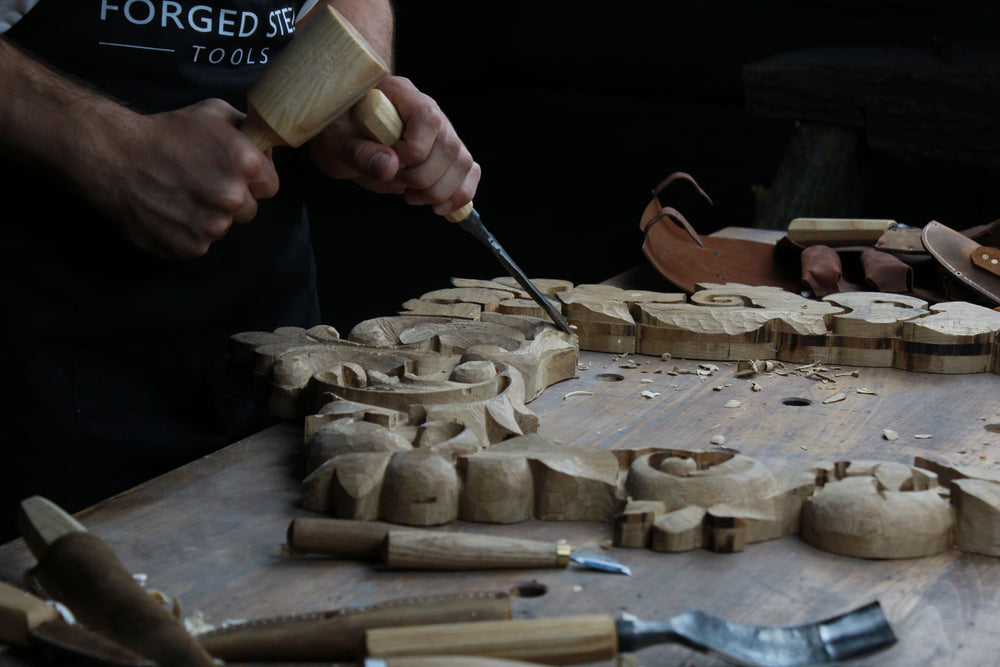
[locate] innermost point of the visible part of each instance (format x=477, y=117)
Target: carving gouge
x=26, y=620
x=403, y=548
x=574, y=640
x=378, y=119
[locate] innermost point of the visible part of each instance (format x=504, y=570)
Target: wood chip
x=733, y=404
x=755, y=387
x=717, y=440
x=835, y=398
x=665, y=356
x=650, y=394
x=577, y=393
x=865, y=390
x=922, y=436
x=889, y=434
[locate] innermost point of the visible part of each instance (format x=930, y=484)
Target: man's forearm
x=48, y=120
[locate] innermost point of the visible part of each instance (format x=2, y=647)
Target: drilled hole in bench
x=797, y=402
x=610, y=377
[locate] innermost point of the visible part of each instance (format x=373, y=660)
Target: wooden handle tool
x=837, y=231
x=411, y=548
x=324, y=71
x=554, y=641
x=403, y=548
x=377, y=118
x=593, y=638
x=26, y=620
x=447, y=661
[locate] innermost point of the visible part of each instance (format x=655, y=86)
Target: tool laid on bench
x=593, y=638
x=26, y=620
x=78, y=570
x=410, y=548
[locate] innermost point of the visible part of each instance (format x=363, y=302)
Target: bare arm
x=172, y=182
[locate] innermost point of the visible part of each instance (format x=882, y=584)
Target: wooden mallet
x=321, y=74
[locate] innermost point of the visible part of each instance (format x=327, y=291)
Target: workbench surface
x=211, y=533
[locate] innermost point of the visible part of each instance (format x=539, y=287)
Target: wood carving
x=879, y=510
x=420, y=418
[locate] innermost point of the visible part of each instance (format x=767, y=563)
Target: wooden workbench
x=211, y=533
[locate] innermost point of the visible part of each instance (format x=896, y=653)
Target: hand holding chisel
x=406, y=548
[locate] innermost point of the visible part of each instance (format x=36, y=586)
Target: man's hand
x=429, y=165
x=177, y=181
x=173, y=182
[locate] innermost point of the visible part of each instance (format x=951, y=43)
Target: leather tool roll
x=83, y=573
x=685, y=258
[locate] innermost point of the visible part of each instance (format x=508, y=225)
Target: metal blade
x=854, y=634
x=602, y=563
x=474, y=225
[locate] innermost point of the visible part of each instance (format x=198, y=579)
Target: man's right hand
x=178, y=180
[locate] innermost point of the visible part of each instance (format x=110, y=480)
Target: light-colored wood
x=321, y=74
x=42, y=522
x=558, y=641
x=20, y=612
x=465, y=551
x=378, y=119
x=837, y=231
x=448, y=661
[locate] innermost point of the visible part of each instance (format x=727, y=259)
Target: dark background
x=576, y=110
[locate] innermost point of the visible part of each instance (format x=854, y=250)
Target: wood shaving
x=733, y=404
x=646, y=381
x=755, y=387
x=717, y=440
x=577, y=393
x=889, y=434
x=665, y=356
x=922, y=436
x=650, y=394
x=865, y=390
x=835, y=398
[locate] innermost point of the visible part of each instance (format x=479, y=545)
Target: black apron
x=117, y=360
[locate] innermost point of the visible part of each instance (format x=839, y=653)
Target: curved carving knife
x=378, y=119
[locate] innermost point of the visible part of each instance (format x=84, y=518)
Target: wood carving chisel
x=77, y=569
x=574, y=640
x=26, y=620
x=405, y=548
x=378, y=119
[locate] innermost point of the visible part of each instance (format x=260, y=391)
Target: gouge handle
x=378, y=120
x=462, y=551
x=555, y=641
x=339, y=537
x=448, y=661
x=837, y=231
x=21, y=612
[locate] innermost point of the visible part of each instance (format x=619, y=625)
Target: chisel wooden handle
x=338, y=537
x=837, y=231
x=557, y=641
x=411, y=549
x=378, y=119
x=405, y=548
x=447, y=661
x=20, y=612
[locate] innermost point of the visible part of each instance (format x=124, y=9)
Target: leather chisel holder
x=935, y=263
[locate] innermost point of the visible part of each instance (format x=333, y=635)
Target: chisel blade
x=473, y=224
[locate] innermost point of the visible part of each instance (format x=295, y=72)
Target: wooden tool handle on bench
x=378, y=119
x=413, y=549
x=554, y=641
x=448, y=661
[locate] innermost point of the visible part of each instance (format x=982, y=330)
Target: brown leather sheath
x=84, y=574
x=954, y=252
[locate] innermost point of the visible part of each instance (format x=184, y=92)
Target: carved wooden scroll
x=420, y=418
